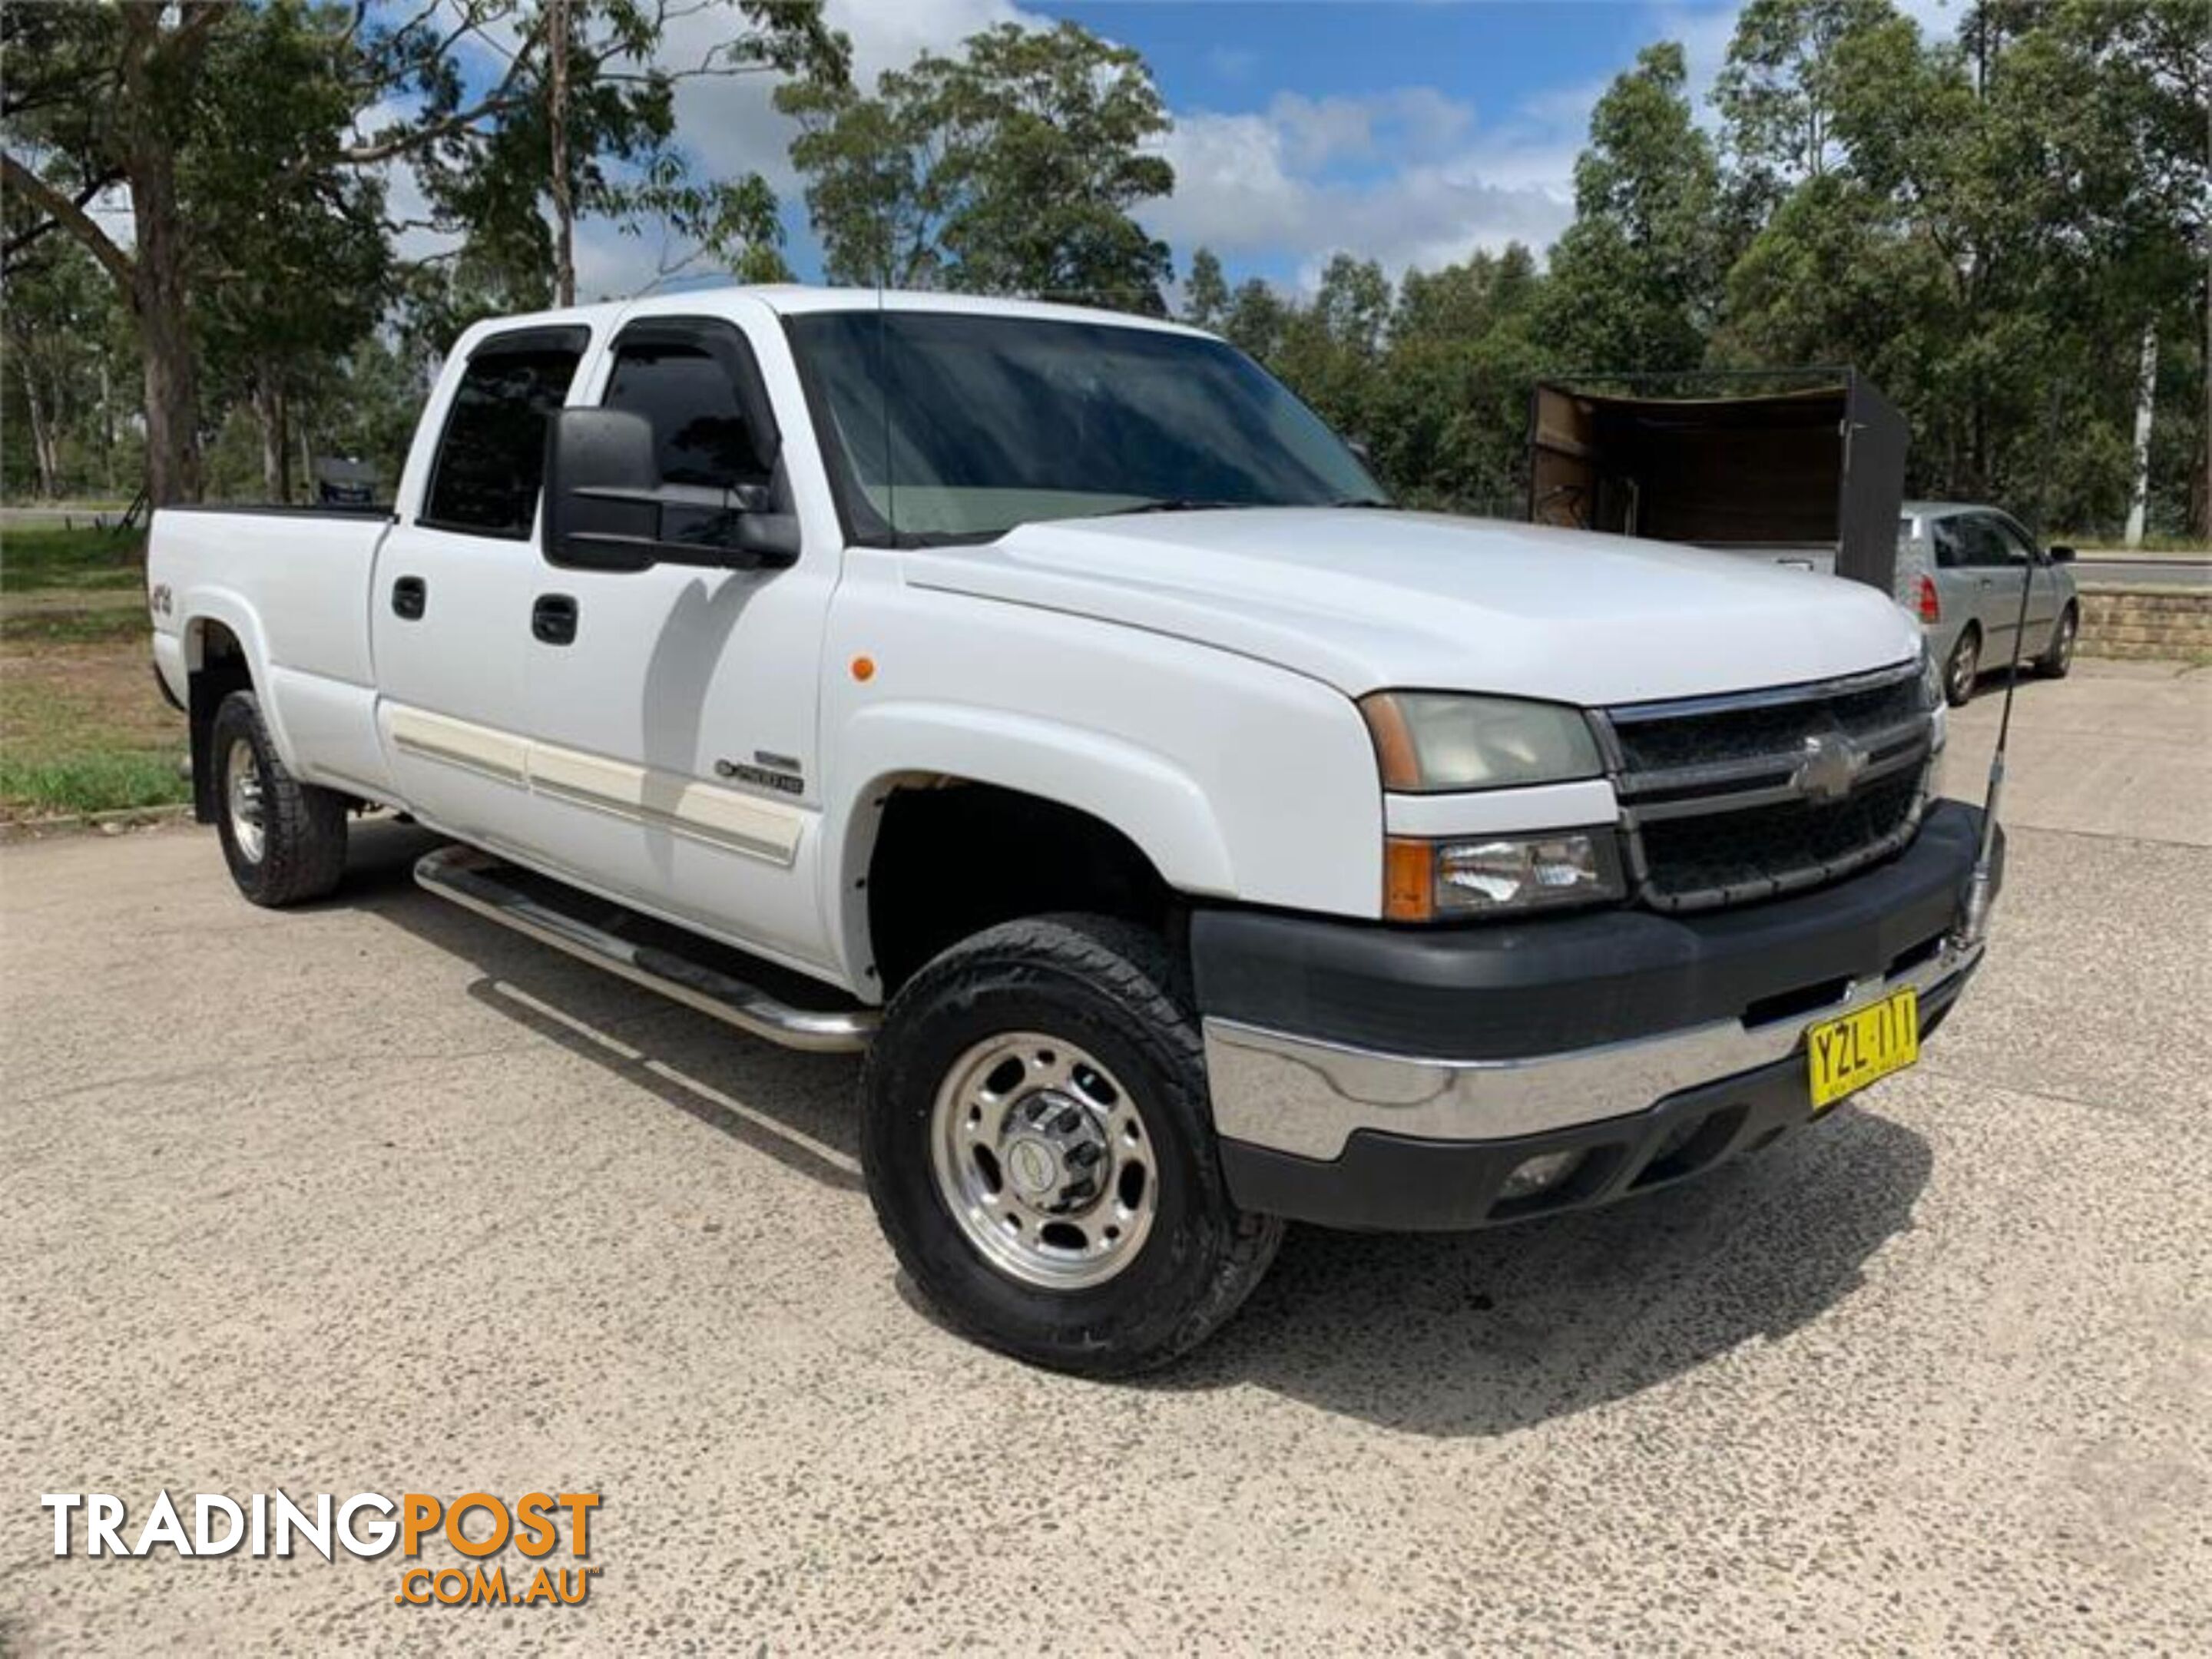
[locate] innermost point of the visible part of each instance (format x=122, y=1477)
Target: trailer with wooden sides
x=1799, y=467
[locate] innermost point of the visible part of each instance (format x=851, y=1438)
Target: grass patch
x=73, y=616
x=81, y=727
x=101, y=781
x=2153, y=547
x=35, y=556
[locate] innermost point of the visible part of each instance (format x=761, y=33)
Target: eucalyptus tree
x=1015, y=166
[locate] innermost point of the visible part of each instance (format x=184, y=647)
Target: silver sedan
x=1962, y=568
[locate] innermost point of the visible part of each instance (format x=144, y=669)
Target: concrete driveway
x=376, y=1198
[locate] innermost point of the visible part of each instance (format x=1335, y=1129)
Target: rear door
x=450, y=602
x=673, y=710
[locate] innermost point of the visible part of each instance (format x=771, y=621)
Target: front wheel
x=1040, y=1154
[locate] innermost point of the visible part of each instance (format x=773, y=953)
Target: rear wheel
x=285, y=841
x=1040, y=1152
x=1963, y=667
x=2058, y=659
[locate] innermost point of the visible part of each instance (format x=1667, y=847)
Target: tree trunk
x=564, y=207
x=271, y=415
x=2146, y=398
x=42, y=433
x=173, y=403
x=106, y=426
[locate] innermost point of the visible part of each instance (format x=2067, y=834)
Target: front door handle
x=553, y=619
x=410, y=596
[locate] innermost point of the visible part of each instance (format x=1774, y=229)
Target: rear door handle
x=410, y=596
x=553, y=619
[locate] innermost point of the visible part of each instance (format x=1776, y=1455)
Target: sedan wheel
x=2057, y=662
x=1962, y=669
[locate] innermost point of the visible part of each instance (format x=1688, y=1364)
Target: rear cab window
x=491, y=460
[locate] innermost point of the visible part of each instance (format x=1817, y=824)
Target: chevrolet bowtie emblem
x=1832, y=764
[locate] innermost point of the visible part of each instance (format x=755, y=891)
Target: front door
x=450, y=600
x=2022, y=553
x=1995, y=572
x=673, y=709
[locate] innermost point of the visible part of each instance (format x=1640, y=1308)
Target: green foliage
x=33, y=558
x=1205, y=291
x=1636, y=280
x=98, y=781
x=1010, y=168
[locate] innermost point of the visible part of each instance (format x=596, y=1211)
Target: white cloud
x=1268, y=184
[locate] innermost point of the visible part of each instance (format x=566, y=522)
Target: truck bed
x=291, y=585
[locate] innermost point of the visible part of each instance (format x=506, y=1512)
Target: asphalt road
x=2147, y=572
x=377, y=1198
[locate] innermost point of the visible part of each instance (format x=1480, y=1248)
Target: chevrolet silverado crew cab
x=1046, y=701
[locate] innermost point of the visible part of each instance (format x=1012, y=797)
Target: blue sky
x=1411, y=132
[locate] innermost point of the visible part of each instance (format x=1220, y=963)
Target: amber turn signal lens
x=1401, y=763
x=1409, y=879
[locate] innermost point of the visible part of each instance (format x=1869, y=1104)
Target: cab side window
x=491, y=456
x=691, y=399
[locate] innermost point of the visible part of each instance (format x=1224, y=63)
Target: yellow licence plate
x=1846, y=1053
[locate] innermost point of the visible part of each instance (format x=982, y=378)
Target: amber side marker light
x=1409, y=879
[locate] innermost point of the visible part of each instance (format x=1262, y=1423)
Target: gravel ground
x=377, y=1198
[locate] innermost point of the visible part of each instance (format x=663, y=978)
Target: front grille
x=1654, y=742
x=1732, y=857
x=1725, y=800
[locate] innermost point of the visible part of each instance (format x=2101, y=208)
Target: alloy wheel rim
x=242, y=792
x=2066, y=629
x=1043, y=1161
x=1965, y=659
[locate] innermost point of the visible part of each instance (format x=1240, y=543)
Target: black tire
x=1963, y=667
x=2057, y=661
x=303, y=848
x=1111, y=990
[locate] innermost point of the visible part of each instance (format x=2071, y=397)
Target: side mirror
x=2060, y=555
x=607, y=509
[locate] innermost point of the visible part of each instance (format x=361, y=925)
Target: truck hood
x=1369, y=599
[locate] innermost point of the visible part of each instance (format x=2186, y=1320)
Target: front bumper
x=1384, y=1077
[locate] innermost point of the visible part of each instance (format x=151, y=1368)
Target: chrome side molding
x=470, y=879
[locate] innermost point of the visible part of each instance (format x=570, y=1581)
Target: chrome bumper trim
x=1295, y=1095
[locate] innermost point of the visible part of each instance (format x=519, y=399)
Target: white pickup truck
x=1045, y=701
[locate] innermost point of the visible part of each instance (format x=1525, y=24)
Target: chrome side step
x=470, y=879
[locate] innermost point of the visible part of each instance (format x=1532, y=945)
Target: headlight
x=1493, y=875
x=1931, y=679
x=1429, y=742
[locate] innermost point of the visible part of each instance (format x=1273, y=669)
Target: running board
x=472, y=880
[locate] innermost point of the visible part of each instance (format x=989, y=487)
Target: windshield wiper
x=1170, y=504
x=1365, y=500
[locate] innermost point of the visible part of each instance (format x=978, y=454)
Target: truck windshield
x=951, y=427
